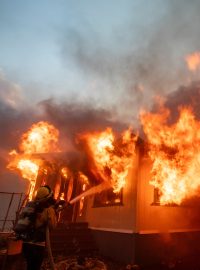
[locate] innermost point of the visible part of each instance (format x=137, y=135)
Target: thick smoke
x=15, y=117
x=74, y=119
x=132, y=74
x=130, y=77
x=70, y=119
x=184, y=97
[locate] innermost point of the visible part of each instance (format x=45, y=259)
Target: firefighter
x=34, y=247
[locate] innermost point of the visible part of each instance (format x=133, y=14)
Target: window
x=156, y=197
x=108, y=198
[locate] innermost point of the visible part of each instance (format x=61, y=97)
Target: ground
x=84, y=263
x=99, y=263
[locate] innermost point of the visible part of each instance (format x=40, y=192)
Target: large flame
x=175, y=152
x=29, y=169
x=42, y=137
x=112, y=158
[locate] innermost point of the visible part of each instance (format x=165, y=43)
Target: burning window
x=156, y=197
x=111, y=157
x=174, y=148
x=108, y=198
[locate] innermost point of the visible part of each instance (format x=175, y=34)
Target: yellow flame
x=65, y=172
x=175, y=152
x=112, y=158
x=42, y=137
x=83, y=178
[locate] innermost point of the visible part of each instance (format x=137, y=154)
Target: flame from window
x=112, y=157
x=175, y=152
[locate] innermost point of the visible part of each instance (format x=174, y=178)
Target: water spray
x=91, y=191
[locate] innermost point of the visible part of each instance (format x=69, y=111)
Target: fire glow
x=173, y=148
x=40, y=138
x=193, y=61
x=175, y=152
x=112, y=158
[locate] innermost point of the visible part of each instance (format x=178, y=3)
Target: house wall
x=165, y=235
x=116, y=218
x=161, y=219
x=143, y=233
x=113, y=227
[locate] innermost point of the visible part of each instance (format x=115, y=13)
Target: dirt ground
x=99, y=263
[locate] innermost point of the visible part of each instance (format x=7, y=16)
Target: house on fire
x=130, y=225
x=135, y=227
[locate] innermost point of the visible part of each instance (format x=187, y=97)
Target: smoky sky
x=70, y=119
x=127, y=76
x=188, y=97
x=135, y=73
x=76, y=118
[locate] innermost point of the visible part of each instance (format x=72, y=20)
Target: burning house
x=155, y=217
x=139, y=197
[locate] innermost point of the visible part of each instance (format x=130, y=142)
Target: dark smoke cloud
x=74, y=119
x=70, y=119
x=12, y=119
x=15, y=117
x=134, y=74
x=184, y=97
x=13, y=122
x=157, y=63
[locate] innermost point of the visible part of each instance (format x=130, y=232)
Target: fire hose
x=61, y=205
x=48, y=241
x=49, y=250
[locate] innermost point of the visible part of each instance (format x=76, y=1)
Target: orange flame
x=65, y=172
x=193, y=61
x=175, y=152
x=40, y=138
x=112, y=158
x=83, y=179
x=28, y=168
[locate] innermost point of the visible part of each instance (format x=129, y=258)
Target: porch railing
x=11, y=202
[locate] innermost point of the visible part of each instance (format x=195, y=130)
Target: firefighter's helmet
x=44, y=192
